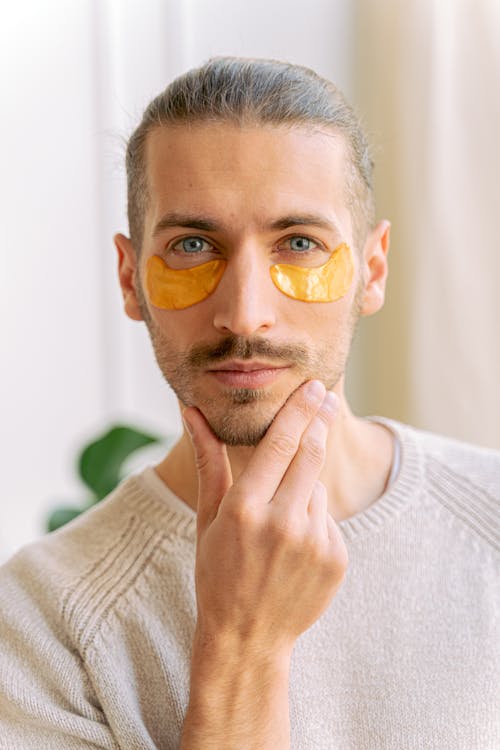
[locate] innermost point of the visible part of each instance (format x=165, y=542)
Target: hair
x=253, y=92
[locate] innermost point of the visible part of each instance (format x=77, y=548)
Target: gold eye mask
x=175, y=289
x=325, y=283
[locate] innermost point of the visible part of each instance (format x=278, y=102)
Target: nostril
x=243, y=315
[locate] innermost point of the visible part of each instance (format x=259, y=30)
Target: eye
x=192, y=245
x=303, y=251
x=301, y=244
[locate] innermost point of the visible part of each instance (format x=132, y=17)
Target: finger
x=299, y=479
x=277, y=448
x=212, y=465
x=318, y=510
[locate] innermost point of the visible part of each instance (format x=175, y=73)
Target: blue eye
x=193, y=244
x=301, y=244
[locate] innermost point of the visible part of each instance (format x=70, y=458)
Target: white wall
x=50, y=295
x=74, y=79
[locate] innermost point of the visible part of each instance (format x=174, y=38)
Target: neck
x=359, y=456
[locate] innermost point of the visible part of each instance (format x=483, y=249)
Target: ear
x=127, y=263
x=375, y=268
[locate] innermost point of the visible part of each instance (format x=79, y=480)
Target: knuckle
x=285, y=527
x=336, y=561
x=306, y=408
x=283, y=445
x=315, y=549
x=319, y=490
x=202, y=460
x=314, y=448
x=341, y=557
x=242, y=514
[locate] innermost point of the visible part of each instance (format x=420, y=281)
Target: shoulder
x=474, y=463
x=74, y=575
x=64, y=555
x=462, y=477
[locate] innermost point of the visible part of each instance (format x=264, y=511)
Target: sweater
x=97, y=620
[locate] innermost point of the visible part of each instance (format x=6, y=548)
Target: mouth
x=249, y=374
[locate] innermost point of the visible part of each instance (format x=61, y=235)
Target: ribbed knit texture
x=97, y=620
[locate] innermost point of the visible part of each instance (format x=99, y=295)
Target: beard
x=242, y=416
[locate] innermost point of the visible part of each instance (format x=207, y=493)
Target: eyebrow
x=206, y=224
x=184, y=220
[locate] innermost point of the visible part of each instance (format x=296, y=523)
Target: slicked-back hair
x=253, y=92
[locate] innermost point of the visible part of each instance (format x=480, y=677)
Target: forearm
x=238, y=699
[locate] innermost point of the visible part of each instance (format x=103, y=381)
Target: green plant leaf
x=100, y=463
x=61, y=516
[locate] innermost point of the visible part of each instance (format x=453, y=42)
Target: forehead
x=246, y=174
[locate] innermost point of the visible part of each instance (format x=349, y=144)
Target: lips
x=251, y=366
x=253, y=374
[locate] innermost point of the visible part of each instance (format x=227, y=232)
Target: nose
x=245, y=300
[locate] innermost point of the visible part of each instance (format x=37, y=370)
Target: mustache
x=237, y=347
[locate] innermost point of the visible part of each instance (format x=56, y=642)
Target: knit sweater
x=97, y=620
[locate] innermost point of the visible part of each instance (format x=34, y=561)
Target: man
x=290, y=575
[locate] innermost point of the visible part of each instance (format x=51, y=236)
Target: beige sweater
x=96, y=620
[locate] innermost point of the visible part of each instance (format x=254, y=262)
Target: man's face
x=229, y=187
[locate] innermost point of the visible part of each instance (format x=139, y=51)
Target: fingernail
x=315, y=390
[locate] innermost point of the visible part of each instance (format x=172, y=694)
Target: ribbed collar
x=157, y=504
x=406, y=487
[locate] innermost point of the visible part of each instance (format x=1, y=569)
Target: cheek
x=327, y=323
x=175, y=332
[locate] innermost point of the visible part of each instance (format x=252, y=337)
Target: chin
x=240, y=426
x=248, y=438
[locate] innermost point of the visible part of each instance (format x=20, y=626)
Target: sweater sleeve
x=46, y=698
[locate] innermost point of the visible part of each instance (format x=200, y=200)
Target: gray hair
x=247, y=91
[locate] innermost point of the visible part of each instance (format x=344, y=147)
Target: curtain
x=428, y=76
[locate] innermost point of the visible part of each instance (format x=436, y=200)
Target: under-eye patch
x=325, y=283
x=175, y=289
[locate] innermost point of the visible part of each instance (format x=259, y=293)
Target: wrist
x=238, y=695
x=228, y=647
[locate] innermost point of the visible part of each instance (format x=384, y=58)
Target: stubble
x=242, y=416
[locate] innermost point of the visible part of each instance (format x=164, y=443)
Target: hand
x=269, y=556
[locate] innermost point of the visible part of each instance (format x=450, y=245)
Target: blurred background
x=75, y=76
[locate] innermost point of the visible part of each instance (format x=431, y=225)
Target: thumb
x=212, y=466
